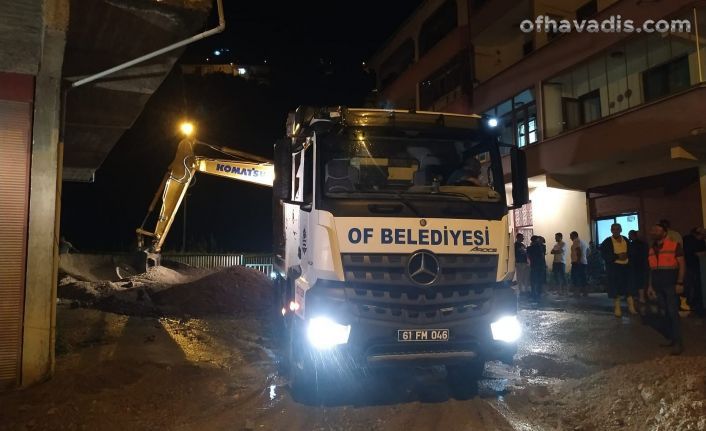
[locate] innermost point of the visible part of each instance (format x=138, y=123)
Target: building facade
x=611, y=122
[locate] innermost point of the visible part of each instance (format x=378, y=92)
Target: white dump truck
x=392, y=245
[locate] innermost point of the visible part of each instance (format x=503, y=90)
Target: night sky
x=315, y=54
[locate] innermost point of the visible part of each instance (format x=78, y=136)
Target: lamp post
x=187, y=129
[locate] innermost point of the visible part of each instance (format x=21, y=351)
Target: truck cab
x=392, y=242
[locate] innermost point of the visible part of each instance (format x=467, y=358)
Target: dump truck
x=392, y=242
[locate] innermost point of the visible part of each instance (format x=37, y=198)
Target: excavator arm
x=179, y=176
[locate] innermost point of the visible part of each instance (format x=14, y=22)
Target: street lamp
x=186, y=128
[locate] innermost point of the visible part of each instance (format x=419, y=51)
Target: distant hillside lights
x=254, y=72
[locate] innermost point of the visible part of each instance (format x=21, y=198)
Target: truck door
x=304, y=194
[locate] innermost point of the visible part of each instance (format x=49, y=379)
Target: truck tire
x=463, y=379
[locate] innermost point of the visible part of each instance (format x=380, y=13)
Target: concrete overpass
x=45, y=45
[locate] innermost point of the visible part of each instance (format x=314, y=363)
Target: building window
x=527, y=127
x=587, y=10
x=590, y=104
x=517, y=119
x=666, y=79
x=644, y=69
x=627, y=221
x=396, y=63
x=449, y=83
x=437, y=26
x=523, y=216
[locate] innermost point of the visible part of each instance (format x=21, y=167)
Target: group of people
x=532, y=270
x=665, y=270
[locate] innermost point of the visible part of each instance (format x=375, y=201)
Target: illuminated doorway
x=627, y=221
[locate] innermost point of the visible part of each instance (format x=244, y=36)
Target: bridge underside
x=105, y=33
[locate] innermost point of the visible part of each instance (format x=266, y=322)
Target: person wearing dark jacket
x=694, y=246
x=639, y=267
x=615, y=250
x=535, y=253
x=521, y=264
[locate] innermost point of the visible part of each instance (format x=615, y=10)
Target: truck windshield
x=364, y=162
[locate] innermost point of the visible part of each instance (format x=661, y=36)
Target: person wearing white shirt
x=559, y=263
x=579, y=262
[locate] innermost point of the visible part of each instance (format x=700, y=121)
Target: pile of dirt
x=231, y=290
x=163, y=291
x=90, y=267
x=663, y=394
x=163, y=275
x=128, y=297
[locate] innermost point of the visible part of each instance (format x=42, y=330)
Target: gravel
x=668, y=393
x=164, y=291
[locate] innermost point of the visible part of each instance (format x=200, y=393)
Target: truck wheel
x=302, y=371
x=463, y=379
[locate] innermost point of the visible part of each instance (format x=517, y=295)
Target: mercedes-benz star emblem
x=423, y=268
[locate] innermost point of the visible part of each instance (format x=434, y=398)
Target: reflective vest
x=666, y=257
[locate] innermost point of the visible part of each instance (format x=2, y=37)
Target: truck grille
x=418, y=305
x=391, y=269
x=378, y=288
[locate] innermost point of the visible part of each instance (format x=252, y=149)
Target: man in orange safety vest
x=666, y=282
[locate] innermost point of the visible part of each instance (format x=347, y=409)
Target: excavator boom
x=179, y=176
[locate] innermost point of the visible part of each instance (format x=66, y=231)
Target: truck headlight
x=323, y=333
x=506, y=329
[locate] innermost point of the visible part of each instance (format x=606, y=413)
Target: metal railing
x=259, y=262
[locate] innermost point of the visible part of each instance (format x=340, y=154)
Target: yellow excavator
x=239, y=166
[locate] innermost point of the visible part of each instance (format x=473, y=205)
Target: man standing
x=694, y=246
x=666, y=282
x=671, y=233
x=579, y=262
x=596, y=267
x=676, y=237
x=521, y=265
x=615, y=254
x=559, y=263
x=535, y=253
x=639, y=267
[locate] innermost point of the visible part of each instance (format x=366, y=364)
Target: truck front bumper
x=374, y=337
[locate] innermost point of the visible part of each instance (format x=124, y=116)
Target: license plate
x=423, y=335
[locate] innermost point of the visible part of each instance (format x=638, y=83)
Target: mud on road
x=181, y=364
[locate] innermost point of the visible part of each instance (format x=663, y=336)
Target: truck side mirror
x=282, y=185
x=518, y=166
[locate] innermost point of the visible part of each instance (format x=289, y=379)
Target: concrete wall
x=557, y=210
x=491, y=60
x=45, y=183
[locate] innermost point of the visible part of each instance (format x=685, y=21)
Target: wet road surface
x=121, y=372
x=563, y=338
